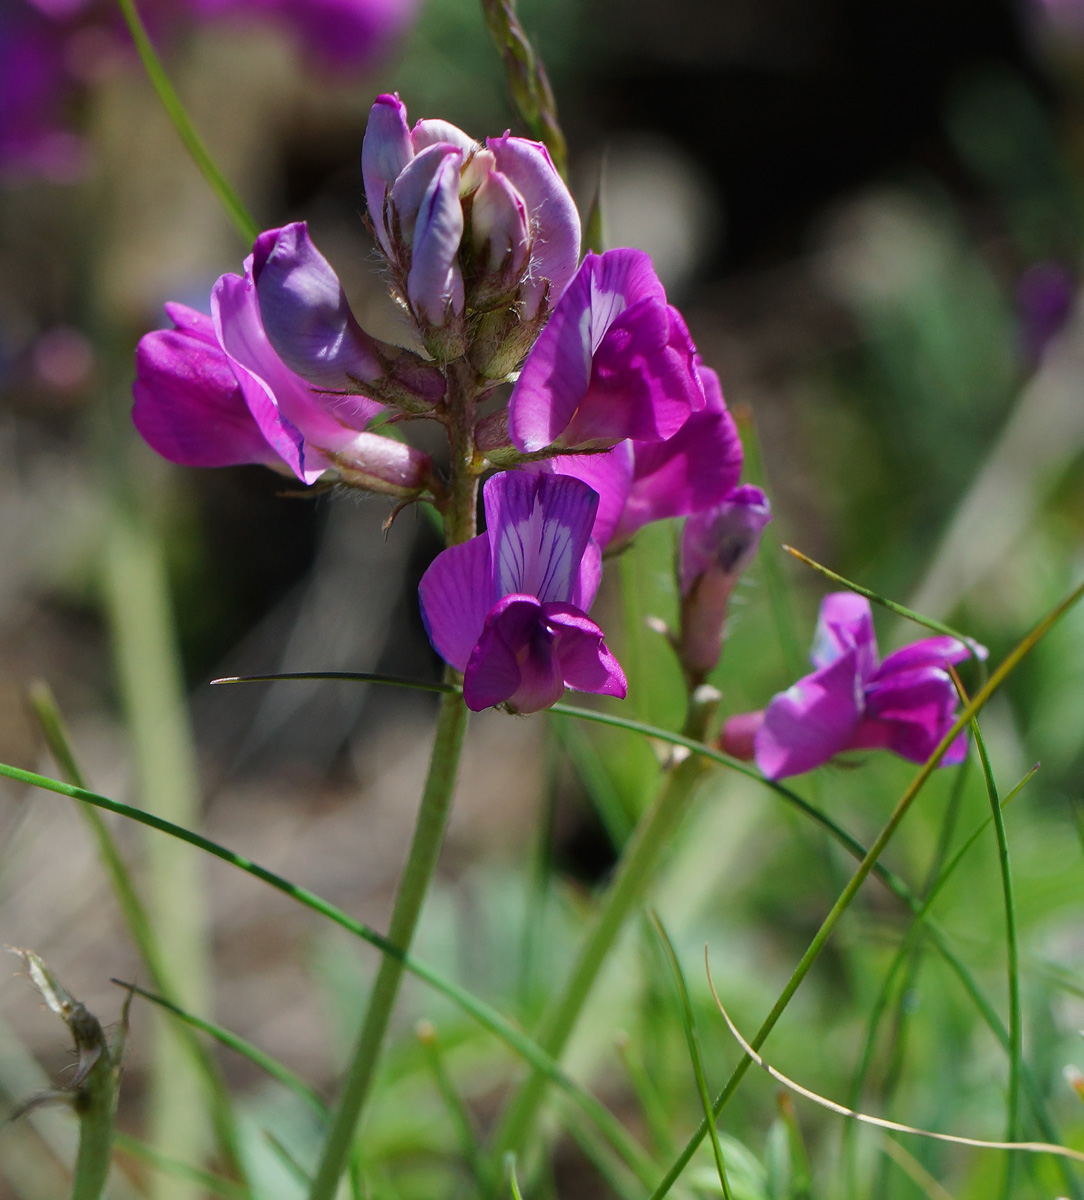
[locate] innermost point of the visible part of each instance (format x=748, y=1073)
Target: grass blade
x=213, y=1185
x=178, y=114
x=693, y=1041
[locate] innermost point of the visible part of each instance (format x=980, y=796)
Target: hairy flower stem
x=634, y=874
x=432, y=816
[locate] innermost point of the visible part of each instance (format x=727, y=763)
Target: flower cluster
x=49, y=49
x=612, y=422
x=854, y=701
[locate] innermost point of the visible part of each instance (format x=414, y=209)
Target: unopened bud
x=716, y=547
x=380, y=464
x=739, y=735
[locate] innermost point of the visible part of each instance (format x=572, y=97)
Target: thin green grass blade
x=214, y=1185
x=469, y=1146
x=343, y=677
x=135, y=914
x=654, y=1111
x=293, y=1167
x=510, y=1171
x=589, y=766
x=178, y=114
x=1012, y=954
x=892, y=605
x=256, y=1056
x=486, y=1016
x=693, y=1041
x=820, y=939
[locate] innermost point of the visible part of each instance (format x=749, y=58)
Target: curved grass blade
x=820, y=939
x=892, y=605
x=178, y=114
x=236, y=1043
x=1016, y=1035
x=342, y=677
x=213, y=1185
x=486, y=1016
x=880, y=1122
x=135, y=914
x=694, y=1051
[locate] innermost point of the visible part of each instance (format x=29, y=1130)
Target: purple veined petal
x=429, y=131
x=309, y=324
x=811, y=721
x=555, y=221
x=587, y=665
x=608, y=473
x=909, y=712
x=845, y=622
x=500, y=223
x=280, y=401
x=713, y=388
x=514, y=662
x=559, y=371
x=724, y=537
x=538, y=526
x=643, y=383
x=590, y=576
x=929, y=652
x=415, y=183
x=435, y=282
x=385, y=151
x=188, y=404
x=696, y=469
x=456, y=593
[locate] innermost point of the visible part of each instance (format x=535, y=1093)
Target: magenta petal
x=435, y=282
x=845, y=622
x=514, y=662
x=614, y=361
x=811, y=721
x=909, y=712
x=385, y=151
x=724, y=537
x=188, y=404
x=555, y=219
x=586, y=661
x=539, y=526
x=456, y=593
x=415, y=183
x=608, y=473
x=696, y=469
x=308, y=321
x=930, y=652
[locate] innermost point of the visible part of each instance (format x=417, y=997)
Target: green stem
x=98, y=1106
x=428, y=836
x=867, y=864
x=177, y=113
x=637, y=866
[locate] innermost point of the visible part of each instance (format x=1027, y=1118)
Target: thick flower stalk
x=855, y=701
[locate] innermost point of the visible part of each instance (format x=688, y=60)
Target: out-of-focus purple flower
x=509, y=607
x=615, y=361
x=45, y=44
x=640, y=482
x=853, y=701
x=1045, y=293
x=717, y=545
x=34, y=88
x=427, y=185
x=308, y=321
x=212, y=392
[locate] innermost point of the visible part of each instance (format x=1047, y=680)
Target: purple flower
x=213, y=392
x=717, y=545
x=308, y=321
x=640, y=482
x=906, y=704
x=615, y=361
x=509, y=607
x=420, y=186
